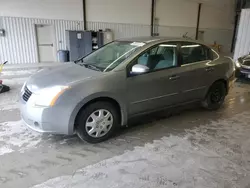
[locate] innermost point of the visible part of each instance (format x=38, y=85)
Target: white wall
x=176, y=13
x=217, y=22
x=119, y=11
x=127, y=18
x=176, y=17
x=19, y=46
x=18, y=18
x=184, y=13
x=217, y=17
x=46, y=9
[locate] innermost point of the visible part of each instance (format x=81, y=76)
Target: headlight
x=48, y=96
x=237, y=64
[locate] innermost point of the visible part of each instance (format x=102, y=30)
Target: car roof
x=149, y=40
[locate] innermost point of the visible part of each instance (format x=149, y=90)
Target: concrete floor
x=192, y=148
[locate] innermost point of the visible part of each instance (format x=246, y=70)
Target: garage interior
x=25, y=24
x=187, y=147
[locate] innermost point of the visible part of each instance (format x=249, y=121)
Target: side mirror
x=139, y=69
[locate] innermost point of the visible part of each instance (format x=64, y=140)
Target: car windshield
x=110, y=56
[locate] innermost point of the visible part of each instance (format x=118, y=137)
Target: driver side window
x=162, y=56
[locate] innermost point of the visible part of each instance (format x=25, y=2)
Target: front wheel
x=215, y=96
x=97, y=122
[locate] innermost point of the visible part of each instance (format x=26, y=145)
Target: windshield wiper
x=93, y=67
x=78, y=61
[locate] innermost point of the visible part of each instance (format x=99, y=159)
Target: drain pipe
x=84, y=14
x=198, y=22
x=152, y=17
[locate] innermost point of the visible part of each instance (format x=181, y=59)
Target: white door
x=45, y=42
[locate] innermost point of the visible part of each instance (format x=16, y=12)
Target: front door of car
x=196, y=70
x=159, y=87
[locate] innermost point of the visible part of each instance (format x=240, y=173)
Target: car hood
x=63, y=75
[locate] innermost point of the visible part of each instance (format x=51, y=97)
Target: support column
x=198, y=21
x=152, y=17
x=84, y=14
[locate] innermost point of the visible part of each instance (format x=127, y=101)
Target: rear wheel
x=97, y=122
x=215, y=96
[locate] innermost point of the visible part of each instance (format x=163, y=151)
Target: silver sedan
x=97, y=94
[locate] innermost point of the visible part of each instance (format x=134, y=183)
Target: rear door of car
x=196, y=70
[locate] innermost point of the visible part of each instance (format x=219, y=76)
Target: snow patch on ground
x=9, y=107
x=5, y=150
x=19, y=72
x=15, y=81
x=212, y=155
x=15, y=136
x=9, y=100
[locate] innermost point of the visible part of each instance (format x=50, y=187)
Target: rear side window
x=193, y=52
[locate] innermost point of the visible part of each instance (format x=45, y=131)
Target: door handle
x=174, y=77
x=209, y=69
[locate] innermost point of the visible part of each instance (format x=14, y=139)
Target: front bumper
x=54, y=120
x=242, y=72
x=231, y=81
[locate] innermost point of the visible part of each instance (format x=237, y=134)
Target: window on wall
x=160, y=57
x=193, y=52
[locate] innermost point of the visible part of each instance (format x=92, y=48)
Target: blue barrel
x=63, y=56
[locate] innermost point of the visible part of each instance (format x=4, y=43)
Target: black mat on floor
x=4, y=88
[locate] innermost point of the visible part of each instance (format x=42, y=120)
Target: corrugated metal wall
x=19, y=45
x=221, y=36
x=243, y=36
x=121, y=30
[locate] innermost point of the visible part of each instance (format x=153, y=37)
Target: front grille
x=245, y=67
x=244, y=70
x=27, y=94
x=246, y=62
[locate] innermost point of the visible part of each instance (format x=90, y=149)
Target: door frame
x=198, y=65
x=134, y=60
x=53, y=40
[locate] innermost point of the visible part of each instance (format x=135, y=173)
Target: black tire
x=215, y=96
x=86, y=112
